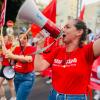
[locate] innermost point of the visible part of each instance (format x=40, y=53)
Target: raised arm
x=96, y=47
x=40, y=64
x=10, y=55
x=22, y=58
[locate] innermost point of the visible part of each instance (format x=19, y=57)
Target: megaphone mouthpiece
x=52, y=29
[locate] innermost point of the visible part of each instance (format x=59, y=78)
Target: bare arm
x=22, y=58
x=40, y=64
x=96, y=47
x=10, y=55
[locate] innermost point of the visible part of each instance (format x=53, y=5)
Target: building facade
x=92, y=16
x=71, y=8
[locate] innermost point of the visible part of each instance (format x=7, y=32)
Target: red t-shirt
x=6, y=61
x=71, y=71
x=24, y=67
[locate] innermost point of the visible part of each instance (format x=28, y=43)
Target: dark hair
x=23, y=33
x=89, y=30
x=79, y=24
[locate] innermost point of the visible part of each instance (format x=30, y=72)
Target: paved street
x=40, y=90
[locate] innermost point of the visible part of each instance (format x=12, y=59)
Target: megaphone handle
x=52, y=29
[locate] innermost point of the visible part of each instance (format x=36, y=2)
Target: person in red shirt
x=24, y=67
x=6, y=63
x=71, y=63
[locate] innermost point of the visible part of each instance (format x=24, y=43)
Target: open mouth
x=64, y=35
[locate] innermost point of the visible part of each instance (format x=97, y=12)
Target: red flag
x=82, y=11
x=49, y=12
x=3, y=11
x=35, y=29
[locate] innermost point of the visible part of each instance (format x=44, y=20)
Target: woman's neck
x=72, y=46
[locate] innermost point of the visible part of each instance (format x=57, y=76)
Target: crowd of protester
x=75, y=48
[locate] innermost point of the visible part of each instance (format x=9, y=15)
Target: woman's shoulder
x=88, y=45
